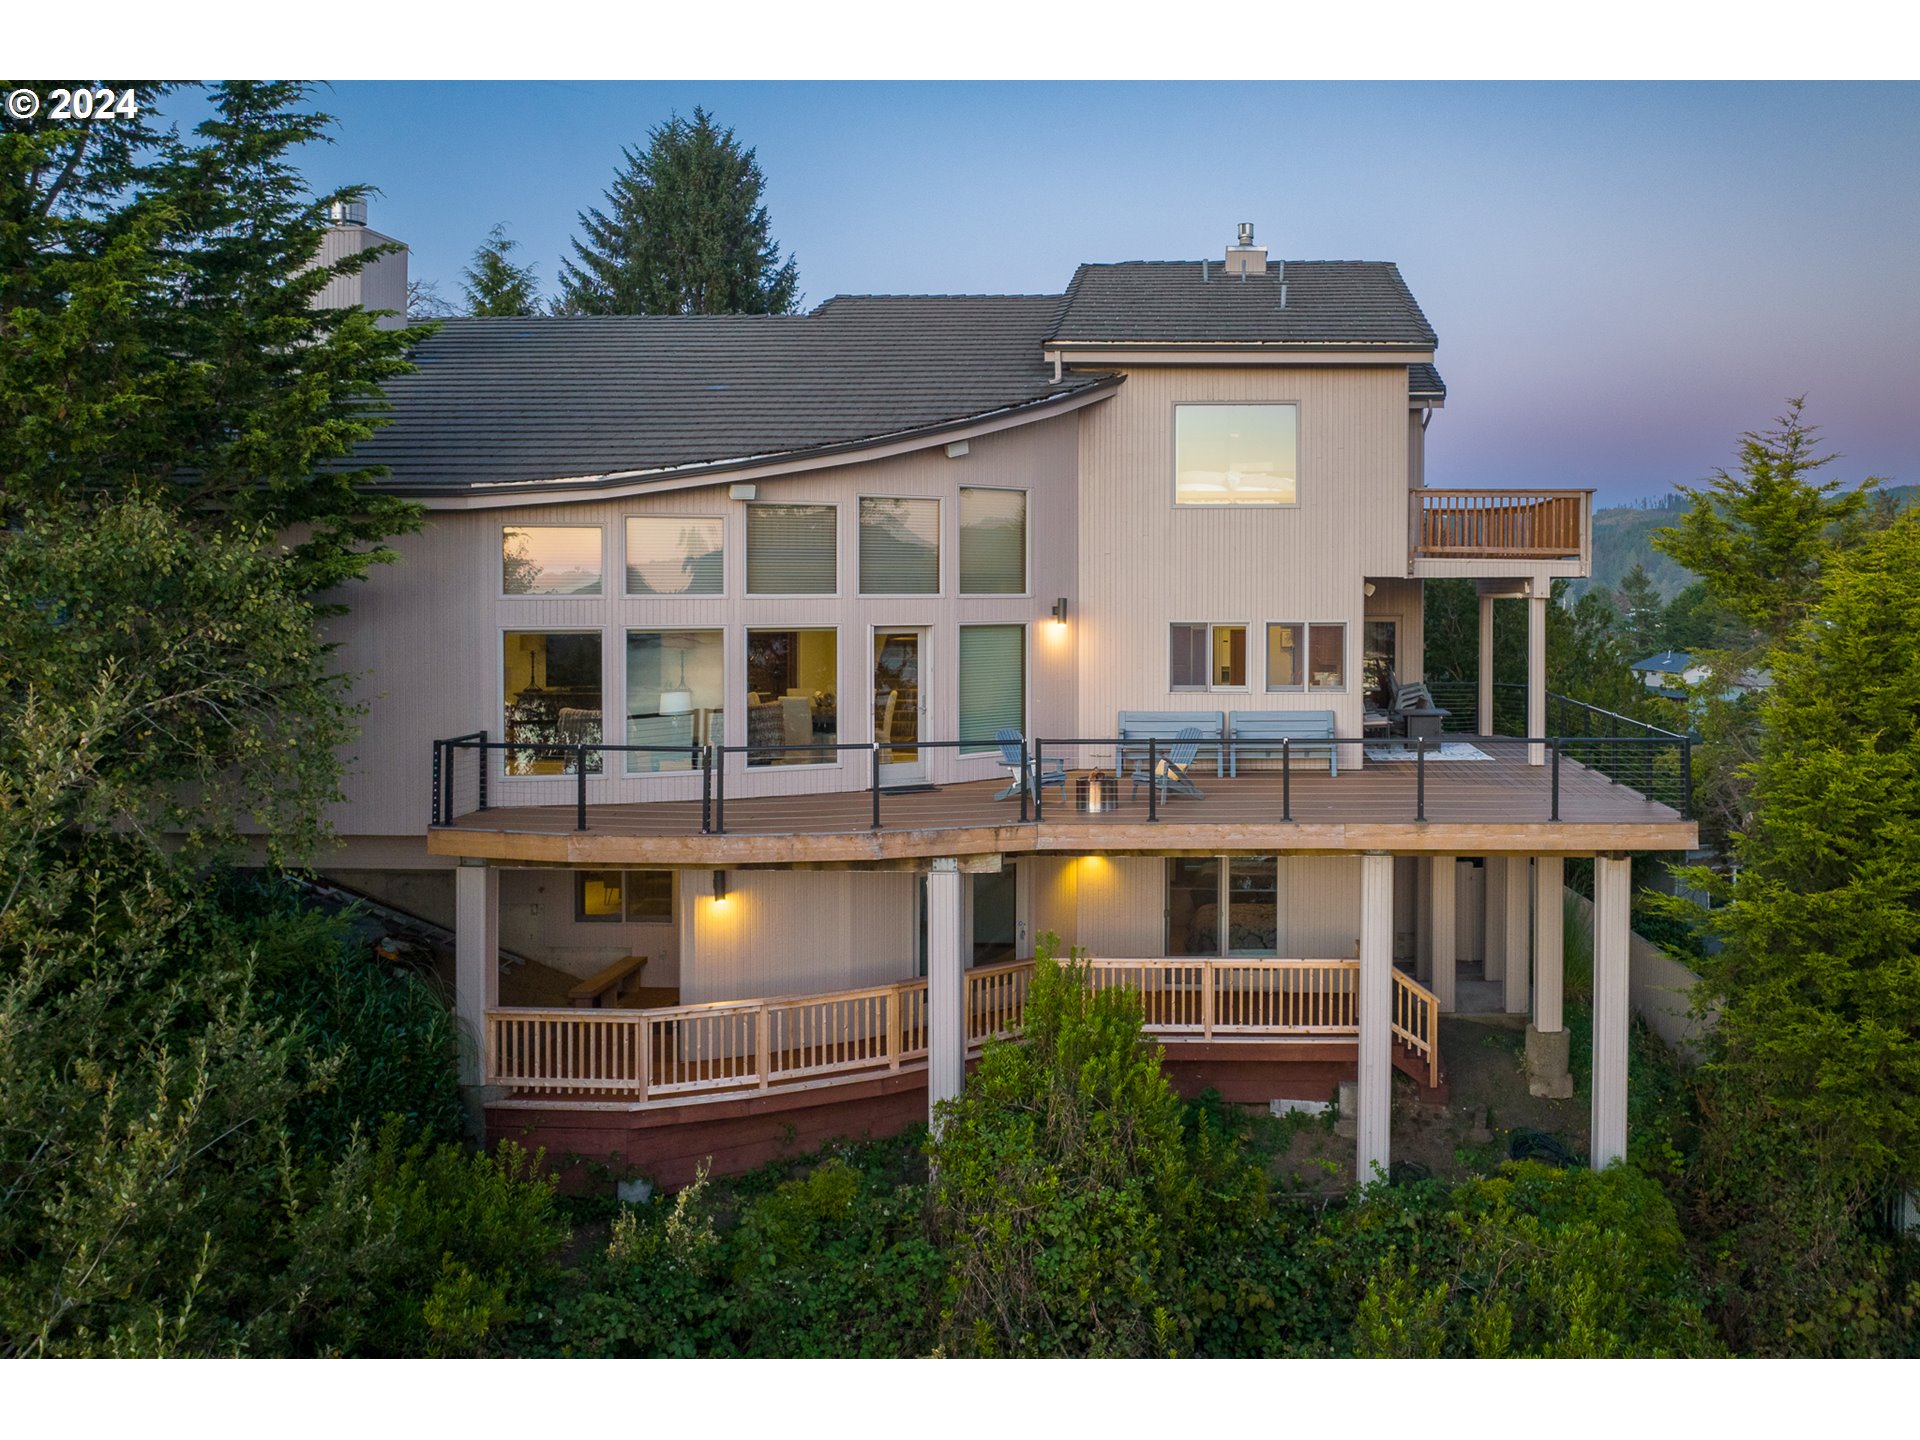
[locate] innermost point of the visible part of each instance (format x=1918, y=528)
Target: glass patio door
x=900, y=705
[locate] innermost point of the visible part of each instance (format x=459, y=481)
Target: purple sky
x=1623, y=276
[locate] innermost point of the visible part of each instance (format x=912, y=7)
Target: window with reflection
x=1223, y=907
x=551, y=681
x=550, y=560
x=675, y=681
x=674, y=555
x=1235, y=454
x=792, y=679
x=1327, y=657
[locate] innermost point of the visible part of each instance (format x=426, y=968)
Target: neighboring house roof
x=1667, y=662
x=1328, y=302
x=546, y=398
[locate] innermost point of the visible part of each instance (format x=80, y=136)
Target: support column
x=1612, y=922
x=1537, y=604
x=1547, y=1042
x=1444, y=879
x=1423, y=921
x=1485, y=672
x=1493, y=919
x=946, y=986
x=1519, y=903
x=1373, y=1144
x=476, y=962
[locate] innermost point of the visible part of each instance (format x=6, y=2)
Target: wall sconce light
x=1060, y=611
x=1367, y=589
x=720, y=887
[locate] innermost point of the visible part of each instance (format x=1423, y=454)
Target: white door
x=900, y=704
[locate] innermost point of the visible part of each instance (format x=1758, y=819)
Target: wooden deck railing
x=745, y=1045
x=1500, y=524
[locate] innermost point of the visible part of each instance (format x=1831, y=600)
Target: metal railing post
x=438, y=802
x=1286, y=777
x=484, y=767
x=1039, y=791
x=706, y=789
x=1686, y=778
x=580, y=790
x=1419, y=777
x=720, y=792
x=1025, y=771
x=875, y=786
x=1553, y=745
x=1153, y=779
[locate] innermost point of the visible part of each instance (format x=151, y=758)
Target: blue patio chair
x=1173, y=765
x=1025, y=776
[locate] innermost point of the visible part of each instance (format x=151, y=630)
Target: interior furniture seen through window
x=1235, y=454
x=792, y=680
x=550, y=560
x=1302, y=656
x=551, y=684
x=675, y=680
x=1327, y=657
x=993, y=542
x=675, y=555
x=1379, y=658
x=993, y=684
x=899, y=546
x=633, y=896
x=791, y=550
x=1223, y=907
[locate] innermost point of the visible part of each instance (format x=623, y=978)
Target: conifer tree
x=494, y=285
x=684, y=232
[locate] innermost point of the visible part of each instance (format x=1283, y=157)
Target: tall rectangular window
x=1230, y=657
x=1221, y=906
x=675, y=680
x=1193, y=905
x=1235, y=454
x=1379, y=655
x=674, y=555
x=993, y=684
x=551, y=681
x=791, y=550
x=993, y=542
x=1286, y=657
x=899, y=546
x=792, y=679
x=550, y=560
x=1327, y=657
x=1187, y=657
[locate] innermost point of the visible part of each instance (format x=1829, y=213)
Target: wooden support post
x=1519, y=904
x=1612, y=921
x=1373, y=1144
x=1485, y=672
x=1549, y=942
x=476, y=964
x=1493, y=919
x=946, y=987
x=1537, y=667
x=1444, y=880
x=1423, y=922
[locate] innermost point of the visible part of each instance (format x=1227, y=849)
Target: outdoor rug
x=1451, y=750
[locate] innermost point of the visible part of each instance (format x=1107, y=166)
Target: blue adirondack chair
x=1054, y=772
x=1173, y=765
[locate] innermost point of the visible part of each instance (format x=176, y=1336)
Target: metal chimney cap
x=348, y=212
x=1246, y=233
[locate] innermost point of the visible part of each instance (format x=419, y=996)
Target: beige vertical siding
x=794, y=932
x=1145, y=563
x=537, y=918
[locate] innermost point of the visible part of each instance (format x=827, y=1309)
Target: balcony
x=1458, y=531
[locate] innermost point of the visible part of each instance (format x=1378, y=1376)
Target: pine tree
x=494, y=285
x=1644, y=612
x=684, y=233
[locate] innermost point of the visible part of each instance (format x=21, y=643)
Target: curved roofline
x=615, y=483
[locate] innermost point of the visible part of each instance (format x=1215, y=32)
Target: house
x=1675, y=674
x=707, y=648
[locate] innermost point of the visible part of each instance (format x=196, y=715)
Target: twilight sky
x=1623, y=276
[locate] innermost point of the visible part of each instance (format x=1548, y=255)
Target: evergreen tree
x=1644, y=613
x=494, y=285
x=684, y=233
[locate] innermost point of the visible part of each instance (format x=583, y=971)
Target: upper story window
x=791, y=550
x=899, y=546
x=1236, y=454
x=993, y=542
x=550, y=560
x=674, y=555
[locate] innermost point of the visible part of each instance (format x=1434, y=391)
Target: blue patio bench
x=1259, y=732
x=1139, y=726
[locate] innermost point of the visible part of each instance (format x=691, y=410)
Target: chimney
x=381, y=284
x=1246, y=258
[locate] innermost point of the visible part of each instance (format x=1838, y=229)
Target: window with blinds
x=993, y=542
x=993, y=684
x=674, y=555
x=1186, y=657
x=899, y=546
x=790, y=550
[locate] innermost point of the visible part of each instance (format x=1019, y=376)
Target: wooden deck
x=1498, y=805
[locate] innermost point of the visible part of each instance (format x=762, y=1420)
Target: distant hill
x=1623, y=534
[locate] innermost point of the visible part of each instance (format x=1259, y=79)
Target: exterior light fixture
x=719, y=887
x=1060, y=611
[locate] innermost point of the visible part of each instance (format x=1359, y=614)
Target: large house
x=776, y=682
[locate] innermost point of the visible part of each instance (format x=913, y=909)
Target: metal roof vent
x=1245, y=258
x=354, y=212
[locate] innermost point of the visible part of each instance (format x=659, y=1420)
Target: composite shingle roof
x=1295, y=302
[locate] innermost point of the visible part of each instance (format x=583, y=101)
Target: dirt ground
x=1468, y=1136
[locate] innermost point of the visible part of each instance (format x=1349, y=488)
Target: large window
x=1235, y=454
x=675, y=680
x=550, y=560
x=674, y=555
x=551, y=682
x=993, y=684
x=632, y=896
x=1219, y=906
x=993, y=542
x=1206, y=657
x=1381, y=644
x=791, y=550
x=1306, y=657
x=792, y=679
x=899, y=546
